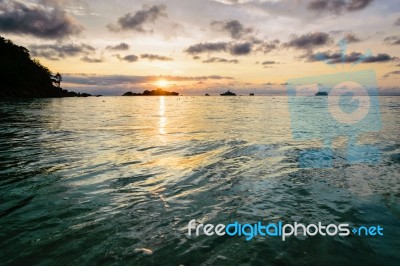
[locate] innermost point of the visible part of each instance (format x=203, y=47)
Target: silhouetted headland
x=321, y=93
x=228, y=93
x=157, y=92
x=24, y=77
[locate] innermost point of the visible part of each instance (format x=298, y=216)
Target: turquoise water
x=89, y=180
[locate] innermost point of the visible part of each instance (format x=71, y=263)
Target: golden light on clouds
x=209, y=46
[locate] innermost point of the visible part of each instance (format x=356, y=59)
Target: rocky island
x=228, y=93
x=24, y=77
x=157, y=92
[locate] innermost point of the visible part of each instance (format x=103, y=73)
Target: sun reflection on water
x=163, y=118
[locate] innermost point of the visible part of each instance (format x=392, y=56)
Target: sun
x=162, y=83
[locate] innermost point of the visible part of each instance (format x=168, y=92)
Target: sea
x=116, y=180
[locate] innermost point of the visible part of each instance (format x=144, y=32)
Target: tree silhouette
x=57, y=78
x=24, y=77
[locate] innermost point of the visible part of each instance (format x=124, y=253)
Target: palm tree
x=57, y=78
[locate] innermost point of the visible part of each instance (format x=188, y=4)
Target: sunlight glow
x=162, y=83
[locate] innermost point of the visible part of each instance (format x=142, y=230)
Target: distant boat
x=207, y=94
x=228, y=93
x=321, y=93
x=251, y=94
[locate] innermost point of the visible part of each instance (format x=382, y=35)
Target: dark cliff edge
x=24, y=77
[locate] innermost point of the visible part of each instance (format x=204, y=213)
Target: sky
x=206, y=46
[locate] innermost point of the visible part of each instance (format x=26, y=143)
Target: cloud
x=393, y=73
x=309, y=41
x=335, y=58
x=137, y=21
x=266, y=46
x=233, y=27
x=119, y=47
x=318, y=5
x=354, y=5
x=128, y=58
x=397, y=22
x=392, y=40
x=351, y=38
x=269, y=62
x=207, y=47
x=338, y=6
x=372, y=59
x=196, y=57
x=234, y=48
x=60, y=51
x=241, y=48
x=112, y=80
x=220, y=60
x=152, y=57
x=91, y=60
x=228, y=2
x=49, y=22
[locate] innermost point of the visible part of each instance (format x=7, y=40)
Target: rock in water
x=143, y=251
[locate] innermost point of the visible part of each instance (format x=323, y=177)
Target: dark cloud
x=393, y=73
x=233, y=27
x=207, y=47
x=397, y=22
x=309, y=41
x=50, y=22
x=335, y=58
x=318, y=5
x=129, y=58
x=392, y=40
x=137, y=21
x=91, y=60
x=397, y=72
x=221, y=60
x=234, y=48
x=354, y=5
x=241, y=48
x=119, y=47
x=269, y=62
x=372, y=59
x=196, y=57
x=266, y=46
x=60, y=51
x=351, y=38
x=152, y=57
x=338, y=6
